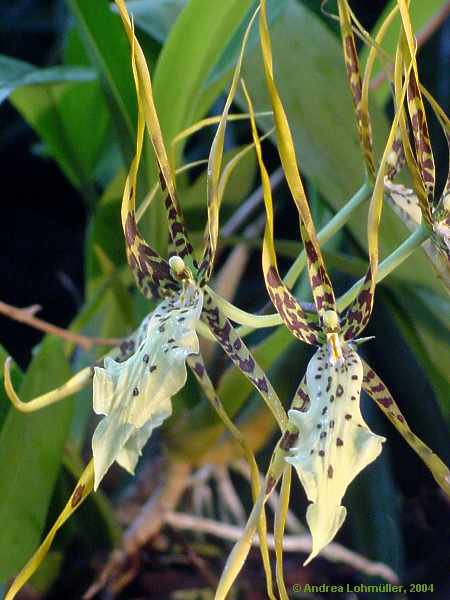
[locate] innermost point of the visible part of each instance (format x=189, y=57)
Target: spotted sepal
x=396, y=159
x=415, y=104
x=380, y=394
x=146, y=104
x=285, y=142
x=421, y=135
x=240, y=355
x=135, y=395
x=303, y=325
x=334, y=442
x=354, y=79
x=150, y=270
x=441, y=214
x=301, y=400
x=358, y=313
x=319, y=280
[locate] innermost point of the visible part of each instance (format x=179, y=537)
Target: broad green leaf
x=15, y=74
x=31, y=446
x=54, y=101
x=73, y=137
x=429, y=341
x=231, y=52
x=308, y=64
x=107, y=47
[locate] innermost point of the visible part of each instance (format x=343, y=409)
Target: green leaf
x=106, y=45
x=231, y=52
x=16, y=376
x=70, y=121
x=31, y=446
x=15, y=74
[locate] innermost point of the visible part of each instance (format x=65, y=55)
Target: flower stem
x=388, y=265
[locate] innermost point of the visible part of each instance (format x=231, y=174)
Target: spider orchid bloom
x=134, y=386
x=334, y=442
x=135, y=395
x=419, y=206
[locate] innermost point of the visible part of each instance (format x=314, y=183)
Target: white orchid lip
x=334, y=442
x=135, y=395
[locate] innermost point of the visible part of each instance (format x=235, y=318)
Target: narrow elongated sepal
x=304, y=327
x=375, y=388
x=80, y=493
x=135, y=395
x=354, y=81
x=286, y=150
x=241, y=356
x=146, y=104
x=334, y=442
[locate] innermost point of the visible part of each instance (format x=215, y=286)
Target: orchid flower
x=418, y=207
x=133, y=386
x=334, y=442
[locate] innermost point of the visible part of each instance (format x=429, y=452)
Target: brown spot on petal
x=289, y=439
x=339, y=442
x=271, y=481
x=330, y=472
x=77, y=496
